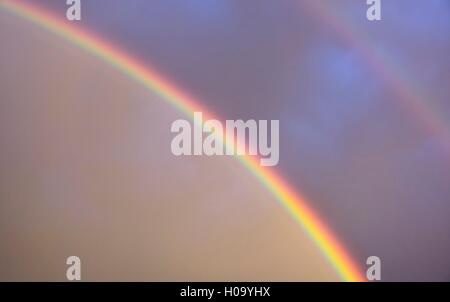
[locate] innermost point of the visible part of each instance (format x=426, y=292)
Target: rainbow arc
x=295, y=204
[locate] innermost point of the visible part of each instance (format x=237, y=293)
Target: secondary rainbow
x=406, y=90
x=296, y=205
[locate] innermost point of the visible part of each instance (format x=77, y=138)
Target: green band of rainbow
x=297, y=206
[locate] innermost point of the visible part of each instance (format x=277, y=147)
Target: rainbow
x=296, y=205
x=403, y=87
